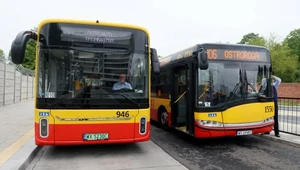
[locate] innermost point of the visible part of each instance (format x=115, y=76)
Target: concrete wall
x=14, y=87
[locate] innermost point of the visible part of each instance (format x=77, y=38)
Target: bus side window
x=154, y=85
x=181, y=82
x=162, y=84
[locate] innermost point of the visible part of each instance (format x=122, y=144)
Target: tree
x=30, y=53
x=251, y=38
x=9, y=56
x=284, y=61
x=2, y=56
x=293, y=41
x=296, y=76
x=160, y=56
x=260, y=41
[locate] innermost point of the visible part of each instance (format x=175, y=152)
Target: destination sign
x=241, y=55
x=215, y=53
x=96, y=34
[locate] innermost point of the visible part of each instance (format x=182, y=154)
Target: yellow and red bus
x=77, y=64
x=211, y=90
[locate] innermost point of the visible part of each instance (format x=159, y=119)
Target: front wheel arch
x=163, y=117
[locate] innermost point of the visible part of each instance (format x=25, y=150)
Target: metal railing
x=289, y=115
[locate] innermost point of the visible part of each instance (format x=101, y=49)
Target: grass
x=289, y=102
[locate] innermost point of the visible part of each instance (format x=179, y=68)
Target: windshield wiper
x=61, y=101
x=126, y=97
x=237, y=87
x=248, y=84
x=259, y=97
x=69, y=99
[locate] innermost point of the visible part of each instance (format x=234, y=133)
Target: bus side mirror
x=18, y=46
x=154, y=61
x=202, y=60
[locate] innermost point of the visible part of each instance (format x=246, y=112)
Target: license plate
x=97, y=136
x=242, y=133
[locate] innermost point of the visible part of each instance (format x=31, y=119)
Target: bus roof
x=233, y=45
x=188, y=52
x=90, y=22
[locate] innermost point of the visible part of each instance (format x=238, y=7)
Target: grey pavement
x=15, y=121
x=21, y=157
x=284, y=138
x=16, y=125
x=18, y=149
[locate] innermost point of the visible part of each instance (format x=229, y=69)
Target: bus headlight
x=210, y=123
x=44, y=127
x=143, y=125
x=268, y=120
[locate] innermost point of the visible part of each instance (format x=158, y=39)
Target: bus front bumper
x=203, y=132
x=73, y=134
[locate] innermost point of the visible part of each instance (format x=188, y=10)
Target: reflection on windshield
x=220, y=83
x=90, y=77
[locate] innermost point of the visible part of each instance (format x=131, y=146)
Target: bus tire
x=163, y=118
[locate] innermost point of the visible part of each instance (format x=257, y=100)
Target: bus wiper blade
x=131, y=100
x=237, y=87
x=251, y=86
x=60, y=101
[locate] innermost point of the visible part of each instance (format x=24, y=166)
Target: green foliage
x=30, y=52
x=284, y=64
x=160, y=56
x=257, y=41
x=9, y=56
x=251, y=38
x=296, y=76
x=293, y=41
x=2, y=56
x=283, y=54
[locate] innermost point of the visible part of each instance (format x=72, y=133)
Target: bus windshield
x=220, y=83
x=81, y=72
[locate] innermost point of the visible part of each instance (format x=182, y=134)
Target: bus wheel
x=164, y=119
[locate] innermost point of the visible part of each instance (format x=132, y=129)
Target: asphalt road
x=242, y=153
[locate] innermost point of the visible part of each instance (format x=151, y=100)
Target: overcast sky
x=173, y=24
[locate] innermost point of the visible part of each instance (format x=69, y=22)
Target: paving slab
x=16, y=129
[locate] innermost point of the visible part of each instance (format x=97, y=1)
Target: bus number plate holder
x=243, y=133
x=95, y=136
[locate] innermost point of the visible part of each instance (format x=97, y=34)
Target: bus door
x=179, y=99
